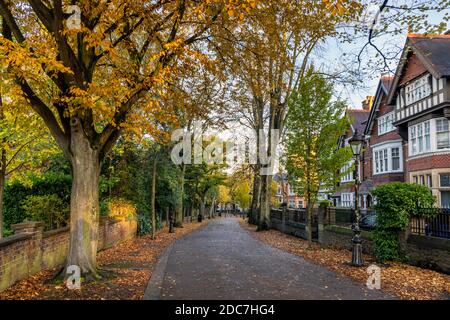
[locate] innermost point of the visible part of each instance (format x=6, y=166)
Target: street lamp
x=356, y=143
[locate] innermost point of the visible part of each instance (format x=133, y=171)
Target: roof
x=432, y=51
x=384, y=85
x=358, y=118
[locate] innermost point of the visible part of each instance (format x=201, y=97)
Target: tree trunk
x=264, y=212
x=256, y=193
x=179, y=209
x=202, y=208
x=2, y=187
x=84, y=204
x=167, y=216
x=153, y=197
x=309, y=217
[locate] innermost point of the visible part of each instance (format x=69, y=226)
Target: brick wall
x=30, y=250
x=428, y=162
x=376, y=139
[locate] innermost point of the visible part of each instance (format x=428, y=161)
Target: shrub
x=49, y=208
x=396, y=201
x=47, y=184
x=118, y=208
x=325, y=203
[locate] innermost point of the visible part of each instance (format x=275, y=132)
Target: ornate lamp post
x=356, y=143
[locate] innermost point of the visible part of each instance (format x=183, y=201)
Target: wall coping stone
x=427, y=242
x=55, y=232
x=14, y=238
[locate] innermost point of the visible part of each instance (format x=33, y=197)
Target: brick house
x=344, y=196
x=286, y=193
x=385, y=151
x=420, y=94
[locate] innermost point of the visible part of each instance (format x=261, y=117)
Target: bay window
x=442, y=134
x=388, y=158
x=420, y=138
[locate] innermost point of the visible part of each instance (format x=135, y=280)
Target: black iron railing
x=438, y=227
x=276, y=214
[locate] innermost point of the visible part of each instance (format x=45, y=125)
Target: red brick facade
x=437, y=161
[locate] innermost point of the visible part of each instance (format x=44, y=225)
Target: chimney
x=367, y=103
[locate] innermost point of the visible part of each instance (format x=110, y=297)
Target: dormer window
x=417, y=90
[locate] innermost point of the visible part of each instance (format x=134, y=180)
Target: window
x=420, y=138
x=385, y=123
x=300, y=204
x=442, y=134
x=347, y=172
x=417, y=90
x=422, y=180
x=395, y=158
x=291, y=191
x=416, y=180
x=444, y=180
x=347, y=200
x=429, y=181
x=445, y=199
x=388, y=158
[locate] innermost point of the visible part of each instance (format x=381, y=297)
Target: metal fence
x=292, y=215
x=276, y=214
x=438, y=227
x=297, y=215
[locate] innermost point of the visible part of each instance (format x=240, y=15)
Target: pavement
x=222, y=261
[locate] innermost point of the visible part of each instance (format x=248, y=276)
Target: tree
x=313, y=127
x=104, y=68
x=21, y=150
x=269, y=56
x=201, y=179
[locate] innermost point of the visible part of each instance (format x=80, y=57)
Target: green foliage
x=396, y=201
x=50, y=183
x=313, y=127
x=50, y=209
x=325, y=203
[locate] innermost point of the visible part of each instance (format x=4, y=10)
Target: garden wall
x=341, y=237
x=30, y=250
x=421, y=250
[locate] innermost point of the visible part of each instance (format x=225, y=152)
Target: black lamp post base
x=357, y=260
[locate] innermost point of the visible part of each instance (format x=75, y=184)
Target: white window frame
x=383, y=158
x=423, y=136
x=417, y=90
x=385, y=123
x=347, y=200
x=420, y=138
x=349, y=176
x=441, y=123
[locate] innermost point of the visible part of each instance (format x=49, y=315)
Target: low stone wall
x=423, y=251
x=289, y=227
x=341, y=237
x=429, y=252
x=30, y=250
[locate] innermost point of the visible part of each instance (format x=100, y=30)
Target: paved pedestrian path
x=222, y=261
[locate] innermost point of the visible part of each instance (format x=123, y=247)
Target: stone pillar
x=35, y=230
x=283, y=219
x=321, y=216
